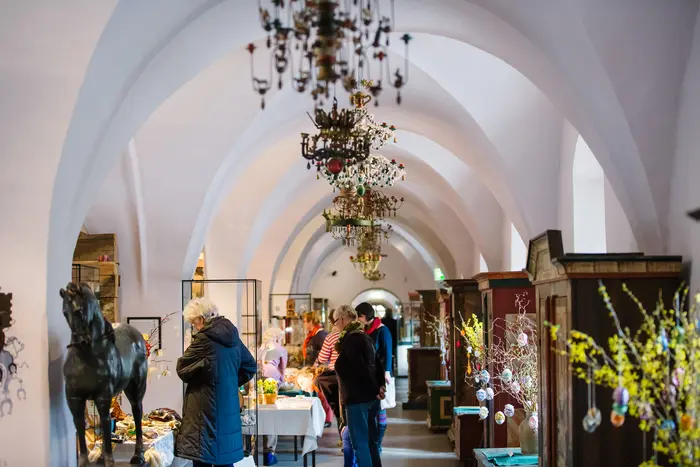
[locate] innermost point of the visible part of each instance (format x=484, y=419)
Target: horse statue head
x=83, y=315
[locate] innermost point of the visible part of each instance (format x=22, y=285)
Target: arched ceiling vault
x=169, y=49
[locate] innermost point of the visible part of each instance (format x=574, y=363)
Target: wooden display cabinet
x=99, y=252
x=567, y=295
x=439, y=405
x=498, y=295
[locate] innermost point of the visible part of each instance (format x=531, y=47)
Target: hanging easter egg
x=677, y=377
x=477, y=353
x=616, y=419
x=360, y=190
x=483, y=413
x=527, y=381
x=663, y=340
x=522, y=339
x=499, y=418
x=533, y=421
x=509, y=410
x=687, y=422
x=669, y=425
x=485, y=376
x=481, y=395
x=507, y=375
x=621, y=395
x=469, y=349
x=619, y=408
x=592, y=419
x=334, y=166
x=645, y=412
x=515, y=387
x=489, y=394
x=477, y=380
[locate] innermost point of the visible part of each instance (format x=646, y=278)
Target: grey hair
x=200, y=308
x=345, y=311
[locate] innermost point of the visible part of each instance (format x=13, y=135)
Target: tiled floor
x=408, y=442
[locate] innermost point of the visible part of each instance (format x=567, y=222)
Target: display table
x=439, y=405
x=495, y=457
x=160, y=452
x=297, y=416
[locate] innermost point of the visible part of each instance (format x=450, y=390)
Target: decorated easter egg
x=621, y=395
x=533, y=421
x=508, y=410
x=592, y=419
x=506, y=375
x=678, y=375
x=616, y=419
x=669, y=425
x=522, y=339
x=485, y=376
x=527, y=381
x=489, y=394
x=481, y=395
x=515, y=387
x=687, y=422
x=499, y=417
x=619, y=408
x=483, y=413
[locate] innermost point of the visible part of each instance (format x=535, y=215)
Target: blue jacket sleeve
x=385, y=348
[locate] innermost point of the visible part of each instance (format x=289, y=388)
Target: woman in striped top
x=328, y=355
x=327, y=382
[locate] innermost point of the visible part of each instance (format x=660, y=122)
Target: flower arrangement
x=270, y=386
x=513, y=361
x=654, y=372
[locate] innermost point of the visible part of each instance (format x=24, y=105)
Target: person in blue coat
x=214, y=366
x=383, y=346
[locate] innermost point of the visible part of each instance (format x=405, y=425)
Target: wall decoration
x=11, y=384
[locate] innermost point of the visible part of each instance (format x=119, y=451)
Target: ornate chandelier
x=360, y=204
x=321, y=42
x=345, y=136
x=352, y=220
x=375, y=276
x=374, y=172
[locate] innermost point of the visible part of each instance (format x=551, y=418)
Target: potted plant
x=270, y=387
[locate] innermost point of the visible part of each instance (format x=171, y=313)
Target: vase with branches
x=439, y=328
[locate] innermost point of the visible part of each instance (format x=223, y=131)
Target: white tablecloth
x=160, y=452
x=292, y=416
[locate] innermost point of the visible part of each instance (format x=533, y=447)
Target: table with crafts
x=292, y=416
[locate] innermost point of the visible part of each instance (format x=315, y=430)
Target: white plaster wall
x=619, y=237
x=589, y=201
x=569, y=137
x=518, y=250
x=684, y=234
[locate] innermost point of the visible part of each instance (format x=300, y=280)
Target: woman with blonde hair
x=361, y=382
x=214, y=366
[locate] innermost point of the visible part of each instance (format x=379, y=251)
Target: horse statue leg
x=104, y=403
x=134, y=393
x=77, y=408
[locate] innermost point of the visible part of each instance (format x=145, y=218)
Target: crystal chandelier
x=369, y=252
x=374, y=172
x=367, y=205
x=321, y=42
x=375, y=276
x=345, y=136
x=350, y=223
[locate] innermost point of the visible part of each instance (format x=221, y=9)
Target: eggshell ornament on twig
x=499, y=418
x=481, y=395
x=508, y=410
x=483, y=413
x=489, y=394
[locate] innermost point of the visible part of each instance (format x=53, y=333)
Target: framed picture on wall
x=150, y=326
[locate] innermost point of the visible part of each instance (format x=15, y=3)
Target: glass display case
x=286, y=311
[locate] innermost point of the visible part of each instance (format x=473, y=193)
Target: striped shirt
x=328, y=354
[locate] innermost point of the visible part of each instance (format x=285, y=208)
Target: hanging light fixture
x=345, y=136
x=375, y=276
x=321, y=42
x=374, y=172
x=352, y=217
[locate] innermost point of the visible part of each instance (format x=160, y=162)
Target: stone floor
x=407, y=442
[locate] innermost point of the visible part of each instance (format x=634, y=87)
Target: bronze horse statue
x=101, y=362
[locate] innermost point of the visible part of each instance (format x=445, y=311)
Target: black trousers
x=327, y=382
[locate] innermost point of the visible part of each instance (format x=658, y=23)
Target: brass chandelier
x=345, y=136
x=375, y=276
x=374, y=172
x=354, y=217
x=369, y=253
x=321, y=42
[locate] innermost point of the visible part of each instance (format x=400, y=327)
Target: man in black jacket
x=361, y=384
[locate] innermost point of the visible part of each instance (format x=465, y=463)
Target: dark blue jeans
x=348, y=452
x=364, y=432
x=202, y=464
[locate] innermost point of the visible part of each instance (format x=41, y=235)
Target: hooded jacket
x=214, y=366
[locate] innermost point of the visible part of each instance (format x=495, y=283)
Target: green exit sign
x=439, y=276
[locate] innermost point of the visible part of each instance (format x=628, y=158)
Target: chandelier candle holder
x=375, y=276
x=320, y=43
x=374, y=172
x=345, y=136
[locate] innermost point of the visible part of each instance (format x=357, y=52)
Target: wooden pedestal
x=423, y=366
x=468, y=432
x=439, y=405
